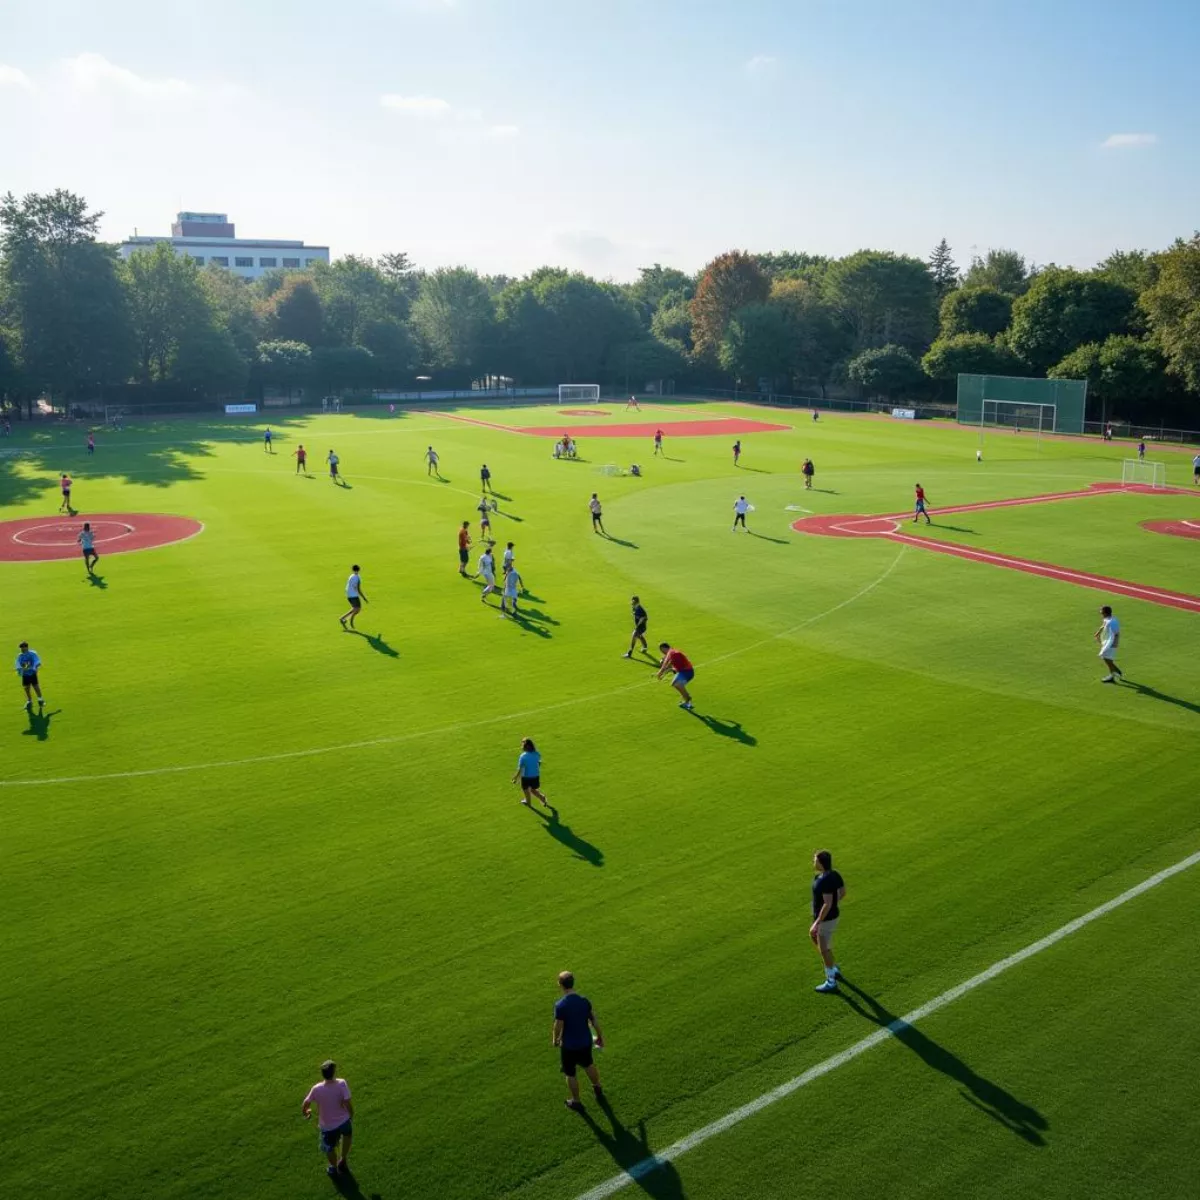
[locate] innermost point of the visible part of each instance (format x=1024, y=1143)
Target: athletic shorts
x=827, y=929
x=531, y=781
x=463, y=557
x=684, y=677
x=355, y=602
x=579, y=1056
x=920, y=507
x=87, y=552
x=739, y=517
x=596, y=518
x=29, y=680
x=1108, y=650
x=639, y=630
x=330, y=1137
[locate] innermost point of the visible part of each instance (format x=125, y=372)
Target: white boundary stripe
x=396, y=739
x=681, y=1147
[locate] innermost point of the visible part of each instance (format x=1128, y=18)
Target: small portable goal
x=1139, y=470
x=579, y=393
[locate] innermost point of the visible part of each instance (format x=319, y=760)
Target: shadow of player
x=762, y=537
x=1154, y=694
x=378, y=644
x=39, y=724
x=581, y=848
x=631, y=1152
x=97, y=581
x=729, y=729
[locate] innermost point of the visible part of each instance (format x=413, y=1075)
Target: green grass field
x=259, y=841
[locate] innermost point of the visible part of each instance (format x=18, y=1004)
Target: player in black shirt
x=828, y=888
x=639, y=628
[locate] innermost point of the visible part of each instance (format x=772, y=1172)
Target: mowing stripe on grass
x=647, y=1165
x=458, y=727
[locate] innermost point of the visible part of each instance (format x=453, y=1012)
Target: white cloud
x=1125, y=141
x=93, y=72
x=504, y=131
x=761, y=64
x=418, y=106
x=14, y=77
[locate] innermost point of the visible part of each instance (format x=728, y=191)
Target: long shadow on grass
x=97, y=581
x=729, y=729
x=988, y=1097
x=631, y=1152
x=378, y=644
x=39, y=724
x=762, y=537
x=346, y=1185
x=580, y=847
x=1154, y=694
x=621, y=541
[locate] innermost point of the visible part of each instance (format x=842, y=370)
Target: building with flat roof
x=211, y=238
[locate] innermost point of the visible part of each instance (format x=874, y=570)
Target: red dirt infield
x=1186, y=529
x=889, y=527
x=717, y=427
x=585, y=412
x=48, y=539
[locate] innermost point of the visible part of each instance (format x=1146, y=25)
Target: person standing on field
x=741, y=506
x=355, y=595
x=87, y=543
x=487, y=568
x=267, y=447
x=658, y=437
x=677, y=661
x=808, y=470
x=1109, y=637
x=464, y=548
x=828, y=889
x=431, y=459
x=640, y=621
x=485, y=479
x=27, y=666
x=597, y=515
x=1196, y=470
x=512, y=587
x=335, y=1112
x=737, y=451
x=574, y=1020
x=301, y=460
x=919, y=507
x=65, y=484
x=529, y=772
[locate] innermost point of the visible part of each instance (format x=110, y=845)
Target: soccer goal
x=1138, y=470
x=579, y=393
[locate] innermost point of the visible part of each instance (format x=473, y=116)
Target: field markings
x=738, y=1115
x=458, y=727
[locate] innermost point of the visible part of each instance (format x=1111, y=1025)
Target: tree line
x=79, y=323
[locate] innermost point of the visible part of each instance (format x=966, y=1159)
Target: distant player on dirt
x=87, y=543
x=919, y=508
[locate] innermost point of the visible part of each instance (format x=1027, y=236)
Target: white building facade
x=210, y=238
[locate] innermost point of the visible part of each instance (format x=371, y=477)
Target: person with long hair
x=529, y=772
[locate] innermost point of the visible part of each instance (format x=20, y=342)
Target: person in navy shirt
x=574, y=1020
x=828, y=888
x=640, y=620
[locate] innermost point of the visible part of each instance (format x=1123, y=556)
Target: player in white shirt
x=1109, y=637
x=432, y=459
x=355, y=595
x=741, y=506
x=508, y=557
x=487, y=568
x=512, y=584
x=597, y=515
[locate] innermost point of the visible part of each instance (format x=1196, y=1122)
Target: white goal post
x=1138, y=470
x=579, y=393
x=1019, y=415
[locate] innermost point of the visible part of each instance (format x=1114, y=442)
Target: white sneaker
x=1108, y=679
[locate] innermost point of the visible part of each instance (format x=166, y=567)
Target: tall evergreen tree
x=943, y=269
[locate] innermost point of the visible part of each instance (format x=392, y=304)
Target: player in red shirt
x=920, y=510
x=658, y=436
x=301, y=460
x=677, y=661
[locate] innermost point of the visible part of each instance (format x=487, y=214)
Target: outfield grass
x=282, y=842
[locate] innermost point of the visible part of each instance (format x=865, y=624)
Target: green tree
x=731, y=281
x=1004, y=270
x=207, y=359
x=1126, y=374
x=672, y=320
x=399, y=270
x=285, y=364
x=884, y=298
x=634, y=364
x=353, y=292
x=819, y=339
x=1133, y=269
x=980, y=309
x=653, y=283
x=335, y=367
x=232, y=301
x=65, y=298
x=1063, y=309
x=1172, y=305
x=166, y=300
x=943, y=269
x=757, y=345
x=970, y=354
x=793, y=264
x=293, y=313
x=885, y=370
x=454, y=317
x=392, y=348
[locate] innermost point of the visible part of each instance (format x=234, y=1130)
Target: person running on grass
x=27, y=665
x=658, y=436
x=65, y=484
x=741, y=506
x=301, y=460
x=677, y=661
x=574, y=1020
x=640, y=620
x=597, y=516
x=919, y=509
x=487, y=568
x=431, y=459
x=512, y=586
x=267, y=447
x=464, y=548
x=827, y=891
x=335, y=1112
x=808, y=471
x=737, y=451
x=529, y=773
x=333, y=460
x=355, y=595
x=1109, y=637
x=87, y=543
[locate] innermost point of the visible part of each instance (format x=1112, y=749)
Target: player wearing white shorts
x=1109, y=637
x=512, y=585
x=487, y=568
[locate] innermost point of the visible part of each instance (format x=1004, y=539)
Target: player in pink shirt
x=331, y=1097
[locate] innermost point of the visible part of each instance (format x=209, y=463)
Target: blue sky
x=509, y=133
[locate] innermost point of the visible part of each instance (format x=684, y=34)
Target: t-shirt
x=333, y=460
x=352, y=585
x=1196, y=462
x=658, y=436
x=594, y=505
x=267, y=436
x=85, y=538
x=484, y=473
x=1111, y=628
x=508, y=557
x=66, y=483
x=28, y=662
x=678, y=661
x=432, y=455
x=808, y=467
x=639, y=615
x=487, y=565
x=825, y=883
x=512, y=582
x=328, y=1096
x=920, y=493
x=302, y=454
x=573, y=1010
x=530, y=764
x=483, y=508
x=741, y=506
x=464, y=539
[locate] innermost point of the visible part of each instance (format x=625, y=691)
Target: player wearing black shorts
x=574, y=1020
x=640, y=620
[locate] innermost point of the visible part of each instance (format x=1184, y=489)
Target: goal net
x=1019, y=415
x=1138, y=470
x=578, y=393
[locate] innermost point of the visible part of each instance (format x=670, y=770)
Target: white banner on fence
x=905, y=414
x=240, y=408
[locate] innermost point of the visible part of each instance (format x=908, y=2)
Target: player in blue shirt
x=574, y=1020
x=267, y=447
x=27, y=668
x=529, y=772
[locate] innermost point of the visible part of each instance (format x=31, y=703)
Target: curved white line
x=458, y=727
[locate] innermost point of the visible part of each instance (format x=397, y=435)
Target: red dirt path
x=585, y=412
x=49, y=539
x=888, y=526
x=1184, y=529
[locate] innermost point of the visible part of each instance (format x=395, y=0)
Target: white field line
x=459, y=727
x=700, y=1136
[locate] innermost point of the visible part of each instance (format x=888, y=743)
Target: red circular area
x=585, y=412
x=46, y=539
x=1189, y=528
x=846, y=526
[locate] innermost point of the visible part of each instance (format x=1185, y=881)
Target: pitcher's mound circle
x=46, y=539
x=1187, y=529
x=585, y=412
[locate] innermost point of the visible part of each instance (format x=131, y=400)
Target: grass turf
x=186, y=945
